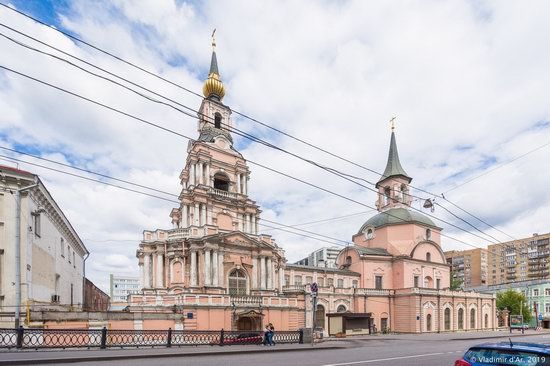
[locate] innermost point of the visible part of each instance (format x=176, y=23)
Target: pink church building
x=214, y=268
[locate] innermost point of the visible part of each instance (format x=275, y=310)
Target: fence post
x=221, y=337
x=301, y=341
x=169, y=339
x=20, y=334
x=103, y=338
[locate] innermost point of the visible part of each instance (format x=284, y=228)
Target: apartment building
x=120, y=288
x=520, y=260
x=469, y=266
x=322, y=257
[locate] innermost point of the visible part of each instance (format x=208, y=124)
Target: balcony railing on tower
x=222, y=194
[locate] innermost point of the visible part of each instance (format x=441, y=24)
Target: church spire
x=393, y=166
x=213, y=87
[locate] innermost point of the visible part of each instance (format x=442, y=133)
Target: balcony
x=246, y=300
x=179, y=233
x=218, y=193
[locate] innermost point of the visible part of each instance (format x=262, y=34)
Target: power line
x=198, y=95
x=330, y=170
x=250, y=161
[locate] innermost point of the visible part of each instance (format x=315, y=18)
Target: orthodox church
x=214, y=269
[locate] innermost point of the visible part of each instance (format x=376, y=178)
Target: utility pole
x=18, y=252
x=314, y=291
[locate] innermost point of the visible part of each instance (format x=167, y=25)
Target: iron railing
x=107, y=338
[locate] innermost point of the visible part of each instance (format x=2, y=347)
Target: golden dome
x=213, y=86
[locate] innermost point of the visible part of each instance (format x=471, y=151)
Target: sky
x=467, y=81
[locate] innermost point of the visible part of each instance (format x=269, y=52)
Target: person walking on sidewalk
x=271, y=334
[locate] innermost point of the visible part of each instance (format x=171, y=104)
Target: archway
x=249, y=320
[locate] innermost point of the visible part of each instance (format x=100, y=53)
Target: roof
x=517, y=346
x=397, y=216
x=393, y=166
x=371, y=251
x=15, y=170
x=327, y=269
x=214, y=64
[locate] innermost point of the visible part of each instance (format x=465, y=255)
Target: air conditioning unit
x=55, y=298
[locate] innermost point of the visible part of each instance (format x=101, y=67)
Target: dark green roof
x=397, y=216
x=393, y=166
x=371, y=251
x=208, y=134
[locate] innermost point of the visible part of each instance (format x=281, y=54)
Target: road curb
x=106, y=357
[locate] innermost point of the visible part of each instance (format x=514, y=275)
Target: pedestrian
x=271, y=334
x=267, y=331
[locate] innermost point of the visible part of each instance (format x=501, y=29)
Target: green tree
x=456, y=283
x=513, y=300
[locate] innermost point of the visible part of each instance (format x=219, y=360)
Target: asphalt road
x=412, y=350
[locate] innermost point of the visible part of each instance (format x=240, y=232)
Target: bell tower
x=393, y=186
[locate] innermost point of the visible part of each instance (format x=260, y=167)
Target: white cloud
x=467, y=81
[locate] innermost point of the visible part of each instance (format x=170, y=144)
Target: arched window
x=486, y=320
x=472, y=318
x=218, y=120
x=428, y=282
x=221, y=182
x=341, y=309
x=447, y=319
x=348, y=260
x=429, y=322
x=370, y=233
x=404, y=192
x=460, y=318
x=387, y=194
x=237, y=282
x=428, y=234
x=428, y=257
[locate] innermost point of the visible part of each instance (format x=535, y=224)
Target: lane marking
x=385, y=359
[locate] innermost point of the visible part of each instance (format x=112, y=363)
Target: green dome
x=397, y=216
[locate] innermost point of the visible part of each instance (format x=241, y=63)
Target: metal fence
x=25, y=338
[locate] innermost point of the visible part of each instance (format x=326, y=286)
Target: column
x=262, y=273
x=193, y=268
x=207, y=269
x=146, y=271
x=238, y=183
x=199, y=173
x=281, y=278
x=191, y=174
x=215, y=275
x=254, y=272
x=220, y=269
x=160, y=270
x=185, y=216
x=209, y=216
x=257, y=225
x=196, y=215
x=245, y=184
x=252, y=225
x=245, y=222
x=142, y=275
x=269, y=273
x=203, y=218
x=207, y=175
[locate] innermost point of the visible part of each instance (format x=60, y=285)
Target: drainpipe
x=18, y=250
x=84, y=281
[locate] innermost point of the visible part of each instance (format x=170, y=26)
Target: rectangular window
x=547, y=307
x=547, y=291
x=340, y=283
x=354, y=284
x=320, y=281
x=536, y=292
x=438, y=283
x=378, y=282
x=331, y=281
x=74, y=260
x=416, y=281
x=69, y=253
x=297, y=280
x=309, y=280
x=62, y=246
x=36, y=224
x=287, y=280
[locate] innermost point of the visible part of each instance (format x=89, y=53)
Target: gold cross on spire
x=214, y=39
x=392, y=123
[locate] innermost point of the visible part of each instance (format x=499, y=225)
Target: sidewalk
x=33, y=357
x=444, y=336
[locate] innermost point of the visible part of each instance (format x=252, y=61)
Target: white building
x=323, y=257
x=121, y=287
x=52, y=256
